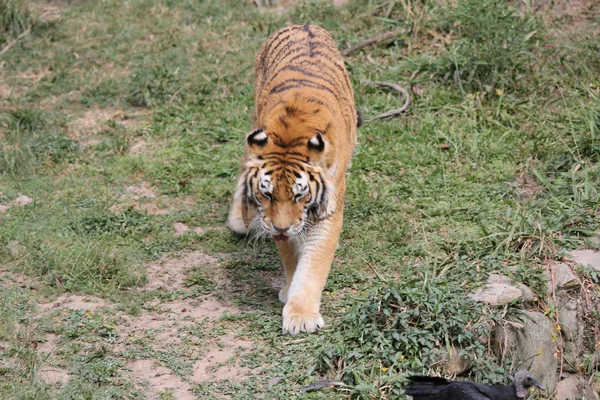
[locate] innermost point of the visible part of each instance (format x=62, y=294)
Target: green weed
x=15, y=18
x=491, y=49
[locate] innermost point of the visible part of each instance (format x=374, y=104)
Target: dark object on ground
x=376, y=39
x=396, y=111
x=318, y=385
x=429, y=388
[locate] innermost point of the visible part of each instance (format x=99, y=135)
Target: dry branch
x=395, y=87
x=326, y=384
x=11, y=44
x=376, y=39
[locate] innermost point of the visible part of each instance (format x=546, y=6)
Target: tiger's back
x=293, y=178
x=304, y=61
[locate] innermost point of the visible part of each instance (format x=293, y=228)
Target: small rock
x=587, y=257
x=526, y=293
x=275, y=381
x=574, y=387
x=496, y=294
x=498, y=278
x=198, y=230
x=180, y=228
x=572, y=327
x=3, y=208
x=531, y=340
x=23, y=200
x=564, y=278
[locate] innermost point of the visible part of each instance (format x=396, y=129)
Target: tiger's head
x=285, y=188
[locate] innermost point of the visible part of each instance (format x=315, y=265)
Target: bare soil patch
x=85, y=128
x=568, y=17
x=209, y=308
x=169, y=273
x=18, y=279
x=146, y=198
x=222, y=361
x=218, y=359
x=76, y=302
x=155, y=379
x=53, y=375
x=140, y=191
x=181, y=229
x=88, y=126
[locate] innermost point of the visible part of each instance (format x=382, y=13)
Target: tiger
x=292, y=181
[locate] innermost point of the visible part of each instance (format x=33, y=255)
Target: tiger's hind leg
x=235, y=220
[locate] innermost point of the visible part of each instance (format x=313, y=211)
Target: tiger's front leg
x=301, y=311
x=289, y=251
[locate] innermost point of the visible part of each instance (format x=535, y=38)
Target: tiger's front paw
x=296, y=320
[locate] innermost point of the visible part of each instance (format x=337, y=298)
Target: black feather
x=430, y=388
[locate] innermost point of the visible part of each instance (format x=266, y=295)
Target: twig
x=294, y=341
x=11, y=44
x=326, y=384
x=397, y=88
x=368, y=42
x=372, y=268
x=559, y=345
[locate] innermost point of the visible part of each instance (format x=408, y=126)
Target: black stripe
x=306, y=28
x=334, y=73
x=318, y=194
x=301, y=70
x=324, y=131
x=255, y=173
x=299, y=83
x=283, y=121
x=285, y=51
x=275, y=38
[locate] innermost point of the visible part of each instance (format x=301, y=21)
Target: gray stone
x=564, y=278
x=574, y=387
x=531, y=341
x=496, y=294
x=526, y=293
x=498, y=278
x=573, y=330
x=587, y=258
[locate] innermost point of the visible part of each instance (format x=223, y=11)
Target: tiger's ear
x=257, y=138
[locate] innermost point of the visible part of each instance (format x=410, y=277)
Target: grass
x=496, y=164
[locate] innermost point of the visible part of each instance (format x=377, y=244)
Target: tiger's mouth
x=283, y=238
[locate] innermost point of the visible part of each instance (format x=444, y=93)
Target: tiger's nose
x=281, y=230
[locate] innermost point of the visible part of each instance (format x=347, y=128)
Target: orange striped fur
x=292, y=181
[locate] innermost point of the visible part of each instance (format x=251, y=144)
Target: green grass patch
x=494, y=168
